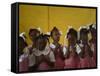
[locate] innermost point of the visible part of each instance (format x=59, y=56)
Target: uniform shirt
x=31, y=56
x=46, y=51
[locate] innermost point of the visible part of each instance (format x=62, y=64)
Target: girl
x=23, y=58
x=43, y=54
x=92, y=42
x=57, y=49
x=33, y=33
x=86, y=53
x=72, y=59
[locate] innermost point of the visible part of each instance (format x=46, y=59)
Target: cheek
x=57, y=37
x=44, y=43
x=38, y=43
x=54, y=37
x=71, y=40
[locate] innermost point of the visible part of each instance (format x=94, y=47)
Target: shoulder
x=52, y=46
x=22, y=57
x=36, y=52
x=47, y=50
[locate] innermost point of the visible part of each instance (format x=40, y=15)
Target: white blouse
x=46, y=51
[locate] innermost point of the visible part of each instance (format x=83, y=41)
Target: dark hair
x=84, y=31
x=72, y=32
x=43, y=36
x=91, y=28
x=23, y=45
x=22, y=40
x=54, y=29
x=33, y=30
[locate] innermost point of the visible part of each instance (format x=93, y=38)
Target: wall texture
x=46, y=17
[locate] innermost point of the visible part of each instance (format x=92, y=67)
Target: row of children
x=43, y=55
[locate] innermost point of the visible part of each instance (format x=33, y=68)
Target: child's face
x=71, y=39
x=84, y=37
x=41, y=44
x=33, y=35
x=56, y=36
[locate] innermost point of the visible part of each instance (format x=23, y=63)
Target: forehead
x=41, y=39
x=33, y=32
x=56, y=32
x=84, y=34
x=70, y=35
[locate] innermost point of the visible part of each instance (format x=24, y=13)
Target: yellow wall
x=32, y=16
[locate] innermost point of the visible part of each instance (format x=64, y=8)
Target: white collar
x=52, y=46
x=44, y=52
x=78, y=49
